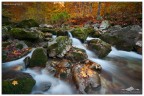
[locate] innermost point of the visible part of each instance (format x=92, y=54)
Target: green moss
x=24, y=86
x=99, y=47
x=39, y=58
x=80, y=33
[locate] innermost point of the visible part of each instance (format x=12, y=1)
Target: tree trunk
x=98, y=12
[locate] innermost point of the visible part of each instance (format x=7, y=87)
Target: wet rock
x=48, y=35
x=61, y=68
x=23, y=34
x=99, y=47
x=85, y=77
x=123, y=39
x=49, y=30
x=16, y=82
x=27, y=24
x=59, y=46
x=76, y=55
x=45, y=26
x=138, y=44
x=47, y=39
x=114, y=28
x=104, y=25
x=80, y=34
x=13, y=50
x=39, y=58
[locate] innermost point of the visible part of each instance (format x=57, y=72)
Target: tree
x=98, y=12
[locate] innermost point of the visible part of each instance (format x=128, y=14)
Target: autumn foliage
x=78, y=13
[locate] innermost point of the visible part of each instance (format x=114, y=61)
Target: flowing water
x=120, y=70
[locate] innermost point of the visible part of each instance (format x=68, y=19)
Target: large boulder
x=16, y=82
x=80, y=34
x=123, y=38
x=99, y=47
x=23, y=34
x=27, y=24
x=85, y=78
x=76, y=55
x=39, y=58
x=13, y=50
x=59, y=46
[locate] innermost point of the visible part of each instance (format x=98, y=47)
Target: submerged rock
x=76, y=55
x=99, y=47
x=16, y=82
x=59, y=46
x=39, y=58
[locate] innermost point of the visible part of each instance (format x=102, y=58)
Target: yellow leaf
x=15, y=82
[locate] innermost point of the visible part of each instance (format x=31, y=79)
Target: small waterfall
x=18, y=62
x=70, y=35
x=56, y=86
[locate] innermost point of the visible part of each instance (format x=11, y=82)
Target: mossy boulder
x=39, y=58
x=16, y=82
x=27, y=24
x=59, y=46
x=76, y=55
x=80, y=34
x=23, y=34
x=122, y=38
x=99, y=47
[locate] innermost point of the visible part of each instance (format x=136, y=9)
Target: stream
x=120, y=70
